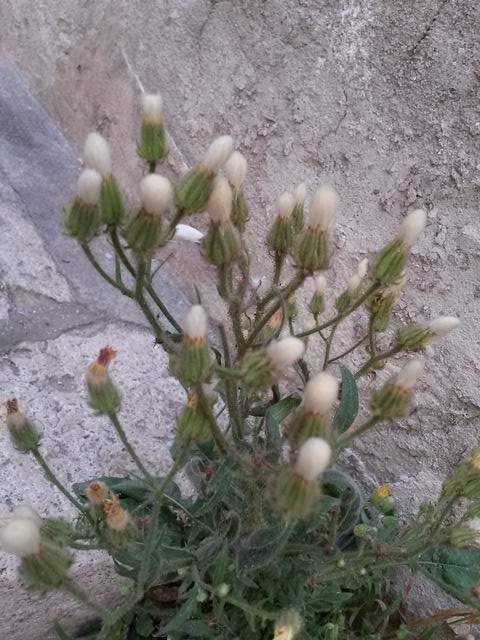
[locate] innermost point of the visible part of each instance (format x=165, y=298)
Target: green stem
x=352, y=348
x=225, y=288
x=88, y=252
x=49, y=474
x=231, y=390
x=371, y=335
x=377, y=358
x=345, y=439
x=148, y=286
x=279, y=260
x=328, y=346
x=341, y=316
x=131, y=451
x=217, y=435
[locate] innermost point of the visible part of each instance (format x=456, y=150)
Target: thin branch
x=131, y=451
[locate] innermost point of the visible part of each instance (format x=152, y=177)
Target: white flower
x=323, y=208
x=152, y=108
x=156, y=194
x=320, y=285
x=408, y=376
x=443, y=325
x=96, y=154
x=20, y=536
x=218, y=153
x=88, y=186
x=320, y=393
x=219, y=205
x=236, y=169
x=283, y=353
x=285, y=205
x=25, y=512
x=412, y=226
x=313, y=458
x=186, y=232
x=362, y=268
x=195, y=324
x=300, y=193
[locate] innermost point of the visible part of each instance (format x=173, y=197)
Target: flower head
x=443, y=325
x=88, y=187
x=152, y=104
x=236, y=170
x=117, y=517
x=219, y=205
x=188, y=233
x=408, y=376
x=25, y=512
x=320, y=393
x=412, y=226
x=156, y=194
x=218, y=153
x=300, y=193
x=21, y=537
x=97, y=492
x=195, y=324
x=285, y=352
x=313, y=459
x=320, y=284
x=96, y=154
x=323, y=208
x=285, y=205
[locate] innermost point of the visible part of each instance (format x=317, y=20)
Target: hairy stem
x=377, y=358
x=231, y=390
x=131, y=451
x=124, y=290
x=349, y=350
x=51, y=477
x=347, y=438
x=76, y=591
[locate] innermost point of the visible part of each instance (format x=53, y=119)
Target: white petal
x=152, y=107
x=186, y=232
x=156, y=194
x=443, y=325
x=320, y=393
x=236, y=169
x=88, y=186
x=283, y=353
x=218, y=153
x=195, y=323
x=413, y=225
x=300, y=193
x=219, y=205
x=96, y=154
x=313, y=458
x=320, y=284
x=323, y=208
x=20, y=537
x=285, y=205
x=409, y=375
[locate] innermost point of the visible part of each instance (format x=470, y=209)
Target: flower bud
x=97, y=492
x=222, y=590
x=317, y=302
x=236, y=170
x=288, y=625
x=82, y=219
x=218, y=153
x=193, y=424
x=20, y=537
x=153, y=145
x=382, y=304
x=195, y=362
x=119, y=529
x=96, y=154
x=443, y=325
x=416, y=337
x=393, y=399
x=144, y=230
x=313, y=459
x=188, y=233
x=296, y=491
x=383, y=500
x=312, y=252
x=222, y=242
x=103, y=395
x=312, y=417
x=280, y=237
x=390, y=262
x=25, y=512
x=299, y=195
x=23, y=433
x=262, y=367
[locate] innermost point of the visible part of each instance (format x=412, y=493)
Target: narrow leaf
x=348, y=408
x=274, y=416
x=262, y=547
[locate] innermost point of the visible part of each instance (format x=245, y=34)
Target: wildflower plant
x=277, y=541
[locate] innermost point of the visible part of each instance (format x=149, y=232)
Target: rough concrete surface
x=378, y=97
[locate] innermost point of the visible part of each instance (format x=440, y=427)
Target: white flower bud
x=320, y=393
x=96, y=154
x=21, y=537
x=152, y=108
x=285, y=205
x=323, y=208
x=156, y=194
x=236, y=169
x=362, y=268
x=300, y=193
x=219, y=205
x=25, y=512
x=408, y=376
x=313, y=459
x=443, y=325
x=354, y=283
x=320, y=284
x=188, y=233
x=195, y=324
x=412, y=226
x=283, y=353
x=88, y=186
x=218, y=153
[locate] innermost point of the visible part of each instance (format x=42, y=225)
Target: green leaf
x=185, y=612
x=197, y=629
x=144, y=625
x=60, y=633
x=262, y=547
x=274, y=416
x=126, y=487
x=339, y=485
x=348, y=408
x=457, y=571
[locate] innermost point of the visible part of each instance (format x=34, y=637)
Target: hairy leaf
x=455, y=570
x=274, y=416
x=262, y=547
x=348, y=408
